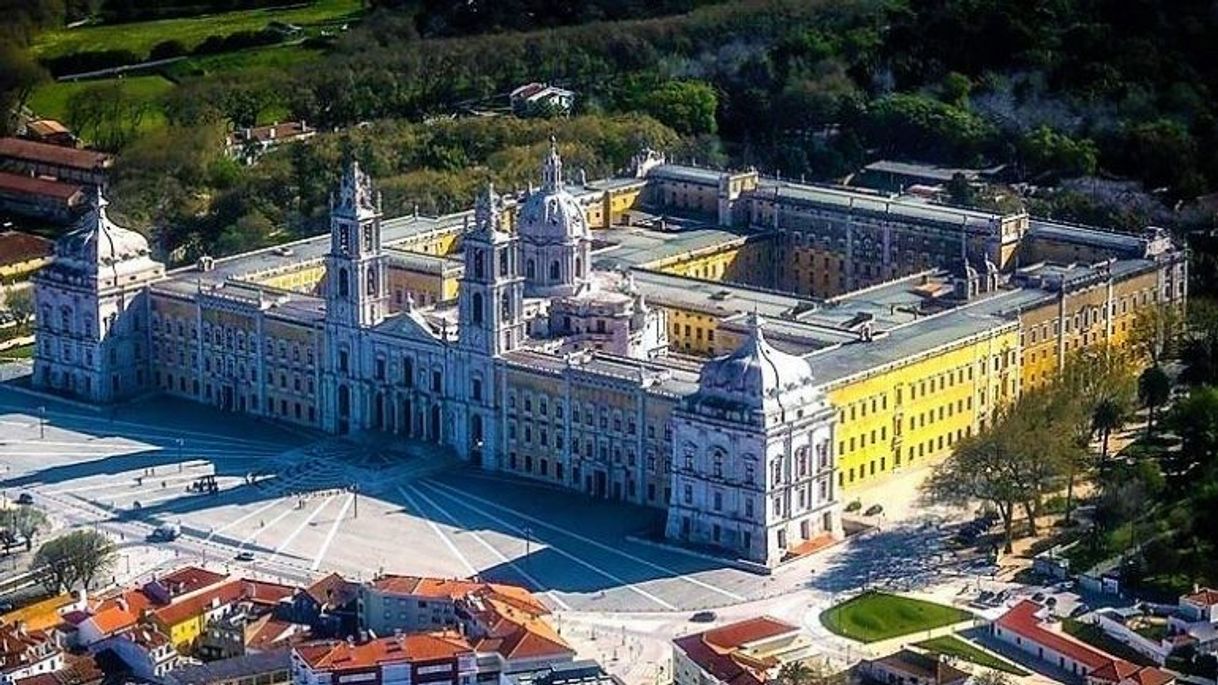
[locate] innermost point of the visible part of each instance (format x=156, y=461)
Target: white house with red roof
x=1200, y=605
x=1029, y=627
x=749, y=652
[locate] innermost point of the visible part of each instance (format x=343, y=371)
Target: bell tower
x=492, y=289
x=355, y=267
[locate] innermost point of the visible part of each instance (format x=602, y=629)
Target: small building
x=25, y=653
x=51, y=132
x=78, y=669
x=328, y=607
x=1200, y=605
x=533, y=99
x=40, y=198
x=908, y=667
x=65, y=164
x=441, y=657
x=749, y=652
x=248, y=144
x=1028, y=627
x=21, y=254
x=264, y=668
x=146, y=651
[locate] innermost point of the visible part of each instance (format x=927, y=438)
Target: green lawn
x=954, y=646
x=20, y=352
x=275, y=56
x=51, y=99
x=879, y=616
x=139, y=37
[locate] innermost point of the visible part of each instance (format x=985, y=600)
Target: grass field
x=954, y=646
x=21, y=352
x=243, y=60
x=51, y=99
x=877, y=616
x=139, y=37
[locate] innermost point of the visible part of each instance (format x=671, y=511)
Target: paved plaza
x=304, y=504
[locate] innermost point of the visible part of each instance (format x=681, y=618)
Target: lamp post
x=42, y=423
x=528, y=538
x=179, y=442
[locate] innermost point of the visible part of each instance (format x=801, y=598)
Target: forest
x=1103, y=110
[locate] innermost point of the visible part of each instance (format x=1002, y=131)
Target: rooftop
x=923, y=667
x=338, y=655
x=58, y=155
x=20, y=184
x=245, y=666
x=719, y=651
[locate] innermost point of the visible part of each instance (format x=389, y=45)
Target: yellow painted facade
x=301, y=278
x=915, y=410
x=691, y=331
x=745, y=261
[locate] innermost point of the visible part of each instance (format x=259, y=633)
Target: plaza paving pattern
x=304, y=504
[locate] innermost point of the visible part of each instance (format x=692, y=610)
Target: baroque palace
x=736, y=349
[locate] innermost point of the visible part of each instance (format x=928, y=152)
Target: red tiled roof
x=18, y=247
x=453, y=588
x=189, y=579
x=1120, y=671
x=715, y=651
x=47, y=127
x=20, y=184
x=267, y=631
x=54, y=154
x=514, y=632
x=120, y=612
x=1204, y=597
x=1022, y=620
x=197, y=604
x=333, y=589
x=20, y=648
x=413, y=647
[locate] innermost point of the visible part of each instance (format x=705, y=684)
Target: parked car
x=167, y=532
x=1038, y=597
x=244, y=555
x=703, y=617
x=25, y=498
x=874, y=510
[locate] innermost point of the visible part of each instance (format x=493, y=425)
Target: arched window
x=372, y=282
x=476, y=307
x=530, y=271
x=479, y=266
x=579, y=268
x=344, y=288
x=717, y=463
x=554, y=270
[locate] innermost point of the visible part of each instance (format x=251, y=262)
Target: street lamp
x=42, y=422
x=179, y=442
x=528, y=536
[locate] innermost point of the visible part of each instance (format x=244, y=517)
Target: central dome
x=551, y=214
x=98, y=242
x=755, y=376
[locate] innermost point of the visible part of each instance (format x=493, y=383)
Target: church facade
x=567, y=354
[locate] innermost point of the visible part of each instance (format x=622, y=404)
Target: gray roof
x=635, y=245
x=1128, y=245
x=687, y=174
x=230, y=669
x=858, y=202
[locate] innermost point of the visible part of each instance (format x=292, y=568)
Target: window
x=476, y=389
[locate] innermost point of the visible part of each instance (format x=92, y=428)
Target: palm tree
x=1154, y=389
x=1108, y=415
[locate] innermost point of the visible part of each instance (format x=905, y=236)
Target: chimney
x=271, y=133
x=122, y=603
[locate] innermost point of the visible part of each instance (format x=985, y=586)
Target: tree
x=54, y=561
x=1154, y=331
x=687, y=106
x=21, y=303
x=75, y=558
x=805, y=673
x=1154, y=389
x=25, y=521
x=1195, y=420
x=19, y=75
x=991, y=677
x=981, y=467
x=1109, y=414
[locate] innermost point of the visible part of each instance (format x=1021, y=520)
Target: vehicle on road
x=244, y=555
x=703, y=617
x=874, y=510
x=167, y=532
x=25, y=498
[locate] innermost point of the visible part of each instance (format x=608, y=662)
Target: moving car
x=244, y=555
